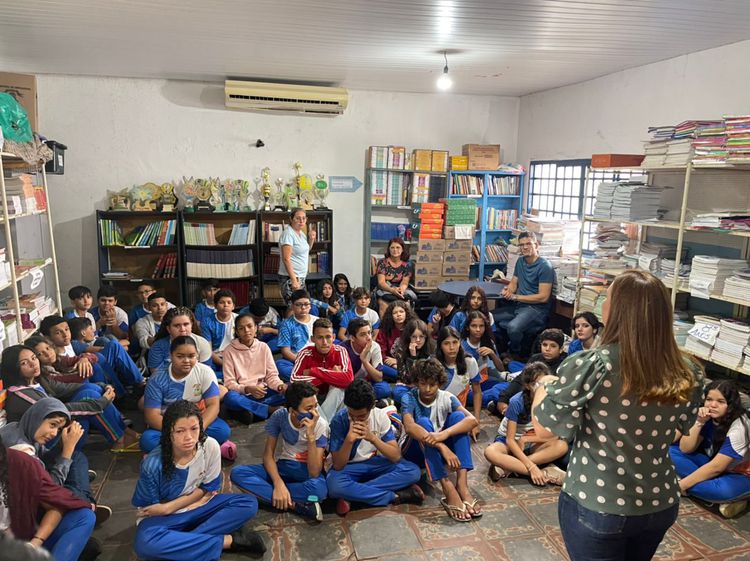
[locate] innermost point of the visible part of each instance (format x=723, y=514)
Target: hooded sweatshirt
x=20, y=436
x=247, y=366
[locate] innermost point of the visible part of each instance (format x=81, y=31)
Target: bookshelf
x=390, y=191
x=220, y=245
x=270, y=226
x=29, y=282
x=498, y=197
x=136, y=247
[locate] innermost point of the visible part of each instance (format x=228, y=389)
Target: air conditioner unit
x=265, y=96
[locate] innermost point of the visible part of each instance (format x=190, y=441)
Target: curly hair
x=530, y=374
x=180, y=409
x=297, y=391
x=735, y=410
x=169, y=318
x=429, y=370
x=487, y=339
x=445, y=333
x=466, y=304
x=359, y=395
x=387, y=324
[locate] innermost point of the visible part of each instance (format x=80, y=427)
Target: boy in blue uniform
x=218, y=328
x=141, y=309
x=366, y=357
x=295, y=333
x=294, y=478
x=367, y=463
x=181, y=514
x=205, y=307
x=360, y=309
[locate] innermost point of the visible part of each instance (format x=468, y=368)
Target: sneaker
x=730, y=510
x=496, y=474
x=309, y=510
x=92, y=475
x=103, y=513
x=343, y=507
x=410, y=495
x=91, y=551
x=247, y=540
x=492, y=408
x=555, y=475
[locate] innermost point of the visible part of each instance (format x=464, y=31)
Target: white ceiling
x=506, y=47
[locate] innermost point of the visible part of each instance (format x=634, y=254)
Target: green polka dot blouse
x=620, y=454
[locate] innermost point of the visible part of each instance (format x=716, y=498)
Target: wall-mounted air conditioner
x=265, y=96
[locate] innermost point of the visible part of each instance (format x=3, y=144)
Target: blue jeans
x=518, y=320
x=235, y=401
x=595, y=536
x=724, y=488
x=372, y=481
x=69, y=538
x=255, y=479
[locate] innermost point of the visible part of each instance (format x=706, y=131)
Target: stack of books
x=708, y=274
x=591, y=299
x=655, y=151
x=702, y=336
x=710, y=144
x=166, y=267
x=738, y=138
x=378, y=187
x=224, y=264
x=679, y=152
x=199, y=234
x=738, y=285
x=722, y=220
x=636, y=201
x=733, y=337
x=504, y=186
x=605, y=197
x=610, y=241
x=243, y=234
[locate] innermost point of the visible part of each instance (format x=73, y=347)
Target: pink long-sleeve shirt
x=248, y=366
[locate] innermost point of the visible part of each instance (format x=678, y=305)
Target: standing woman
x=295, y=251
x=394, y=273
x=622, y=403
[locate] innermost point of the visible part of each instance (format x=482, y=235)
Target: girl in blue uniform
x=586, y=327
x=181, y=514
x=474, y=301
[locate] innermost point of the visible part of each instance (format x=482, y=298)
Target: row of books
x=243, y=234
x=243, y=291
x=111, y=232
x=156, y=233
x=493, y=253
x=319, y=262
x=498, y=219
x=397, y=157
x=237, y=263
x=166, y=266
x=389, y=188
x=199, y=234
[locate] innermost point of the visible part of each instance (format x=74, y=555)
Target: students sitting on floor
x=82, y=300
x=177, y=322
x=295, y=332
x=250, y=374
x=551, y=349
x=326, y=366
x=218, y=329
x=365, y=358
x=367, y=463
x=291, y=475
x=415, y=344
x=360, y=309
x=516, y=448
x=185, y=378
x=586, y=327
x=77, y=368
x=438, y=429
x=111, y=320
x=181, y=512
x=442, y=313
x=397, y=315
x=343, y=291
x=474, y=301
x=205, y=307
x=325, y=304
x=713, y=459
x=478, y=341
x=47, y=516
x=267, y=319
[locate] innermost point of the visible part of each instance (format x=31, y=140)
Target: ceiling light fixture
x=444, y=82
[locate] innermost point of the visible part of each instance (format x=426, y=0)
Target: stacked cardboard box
x=439, y=261
x=431, y=220
x=461, y=211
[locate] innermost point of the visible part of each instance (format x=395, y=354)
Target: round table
x=460, y=288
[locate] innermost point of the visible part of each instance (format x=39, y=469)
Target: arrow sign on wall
x=343, y=183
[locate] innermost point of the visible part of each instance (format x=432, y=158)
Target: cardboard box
x=428, y=281
x=429, y=257
x=459, y=163
x=433, y=206
x=452, y=278
x=431, y=245
x=458, y=245
x=435, y=221
x=435, y=236
x=616, y=160
x=396, y=157
x=457, y=257
x=440, y=160
x=434, y=269
x=482, y=156
x=23, y=88
x=422, y=160
x=455, y=269
x=450, y=232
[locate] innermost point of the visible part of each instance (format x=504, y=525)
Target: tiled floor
x=520, y=521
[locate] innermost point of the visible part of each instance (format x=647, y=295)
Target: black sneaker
x=92, y=475
x=410, y=495
x=309, y=510
x=91, y=551
x=247, y=540
x=103, y=513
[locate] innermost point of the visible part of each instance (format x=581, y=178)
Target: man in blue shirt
x=530, y=294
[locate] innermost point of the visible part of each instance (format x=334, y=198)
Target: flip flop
x=133, y=447
x=452, y=510
x=471, y=505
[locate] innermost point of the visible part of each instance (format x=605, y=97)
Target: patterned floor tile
x=436, y=529
x=709, y=534
x=742, y=556
x=118, y=530
x=117, y=553
x=468, y=552
x=326, y=541
x=544, y=511
x=675, y=548
x=506, y=520
x=382, y=534
x=538, y=548
x=412, y=556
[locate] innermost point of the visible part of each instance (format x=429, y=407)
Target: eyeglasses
x=302, y=304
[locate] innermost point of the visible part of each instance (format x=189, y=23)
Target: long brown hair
x=640, y=321
x=404, y=250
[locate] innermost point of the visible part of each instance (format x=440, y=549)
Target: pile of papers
x=610, y=240
x=702, y=336
x=629, y=200
x=710, y=144
x=723, y=219
x=708, y=274
x=738, y=138
x=592, y=298
x=738, y=285
x=605, y=197
x=729, y=345
x=652, y=255
x=679, y=152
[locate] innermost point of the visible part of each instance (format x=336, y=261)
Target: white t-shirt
x=292, y=441
x=228, y=332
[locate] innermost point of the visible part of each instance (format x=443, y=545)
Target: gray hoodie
x=20, y=435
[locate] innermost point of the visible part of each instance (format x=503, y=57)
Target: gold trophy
x=265, y=188
x=168, y=198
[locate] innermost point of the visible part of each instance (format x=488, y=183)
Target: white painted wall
x=611, y=114
x=121, y=132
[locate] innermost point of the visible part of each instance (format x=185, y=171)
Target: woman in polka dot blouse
x=621, y=404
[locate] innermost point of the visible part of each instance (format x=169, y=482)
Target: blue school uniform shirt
x=370, y=315
x=530, y=276
x=576, y=346
x=162, y=389
x=203, y=471
x=516, y=412
x=379, y=424
x=459, y=385
x=736, y=444
x=293, y=440
x=214, y=331
x=137, y=313
x=438, y=411
x=459, y=321
x=159, y=357
x=294, y=334
x=203, y=311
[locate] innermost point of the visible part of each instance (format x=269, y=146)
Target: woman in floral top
x=394, y=273
x=621, y=404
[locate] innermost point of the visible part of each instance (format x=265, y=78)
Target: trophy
x=120, y=200
x=265, y=188
x=321, y=190
x=244, y=198
x=217, y=194
x=188, y=190
x=280, y=195
x=202, y=194
x=167, y=197
x=144, y=197
x=297, y=180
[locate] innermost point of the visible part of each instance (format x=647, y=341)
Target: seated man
x=326, y=366
x=365, y=356
x=294, y=333
x=530, y=292
x=367, y=463
x=293, y=478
